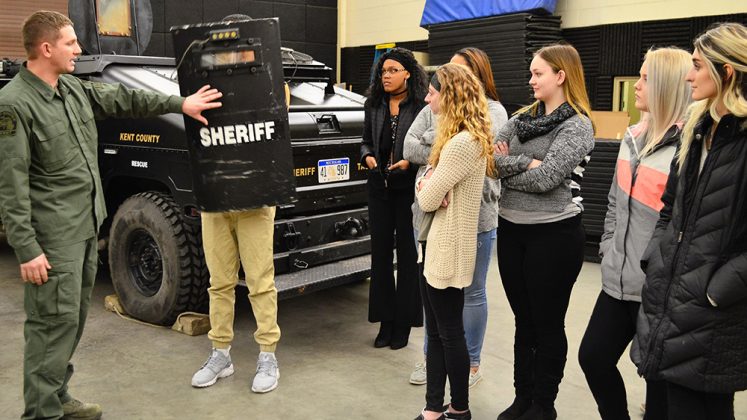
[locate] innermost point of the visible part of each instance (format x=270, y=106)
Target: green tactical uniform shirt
x=50, y=188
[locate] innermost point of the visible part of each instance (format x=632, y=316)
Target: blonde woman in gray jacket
x=635, y=200
x=418, y=142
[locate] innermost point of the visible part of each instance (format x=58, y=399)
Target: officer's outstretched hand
x=200, y=101
x=35, y=271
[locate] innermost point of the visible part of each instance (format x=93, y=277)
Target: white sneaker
x=268, y=373
x=419, y=375
x=217, y=366
x=474, y=377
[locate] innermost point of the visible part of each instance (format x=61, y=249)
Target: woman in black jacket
x=395, y=97
x=692, y=329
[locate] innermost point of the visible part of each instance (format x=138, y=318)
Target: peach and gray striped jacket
x=633, y=210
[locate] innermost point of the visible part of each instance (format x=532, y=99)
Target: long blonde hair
x=723, y=44
x=463, y=107
x=565, y=57
x=669, y=94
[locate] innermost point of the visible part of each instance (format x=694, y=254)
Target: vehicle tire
x=156, y=259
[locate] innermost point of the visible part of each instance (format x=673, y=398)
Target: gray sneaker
x=217, y=366
x=266, y=378
x=474, y=377
x=419, y=376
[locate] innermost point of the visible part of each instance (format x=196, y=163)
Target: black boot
x=516, y=409
x=400, y=337
x=538, y=412
x=384, y=338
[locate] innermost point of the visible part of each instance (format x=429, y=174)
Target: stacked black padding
x=509, y=41
x=594, y=189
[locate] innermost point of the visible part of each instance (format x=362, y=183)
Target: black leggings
x=447, y=348
x=539, y=264
x=673, y=402
x=610, y=330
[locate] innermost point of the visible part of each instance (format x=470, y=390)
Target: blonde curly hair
x=463, y=107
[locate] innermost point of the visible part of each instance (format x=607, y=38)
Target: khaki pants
x=55, y=316
x=246, y=236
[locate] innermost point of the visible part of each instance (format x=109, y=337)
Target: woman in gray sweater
x=540, y=250
x=417, y=148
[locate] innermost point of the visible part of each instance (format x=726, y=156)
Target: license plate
x=332, y=170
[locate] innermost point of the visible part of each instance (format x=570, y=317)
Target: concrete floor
x=329, y=368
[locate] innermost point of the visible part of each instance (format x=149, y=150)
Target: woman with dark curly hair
x=395, y=97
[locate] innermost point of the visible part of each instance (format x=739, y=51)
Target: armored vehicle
x=152, y=234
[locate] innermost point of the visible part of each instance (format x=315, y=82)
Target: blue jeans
x=475, y=313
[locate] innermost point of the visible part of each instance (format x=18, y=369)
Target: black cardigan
x=375, y=114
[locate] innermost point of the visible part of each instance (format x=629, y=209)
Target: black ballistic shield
x=243, y=158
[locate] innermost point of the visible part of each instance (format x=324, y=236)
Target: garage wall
x=581, y=13
x=308, y=26
x=14, y=12
x=366, y=22
x=374, y=22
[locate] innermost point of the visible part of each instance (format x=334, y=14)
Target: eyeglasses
x=392, y=71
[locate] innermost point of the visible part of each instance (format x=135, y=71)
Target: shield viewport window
x=114, y=18
x=227, y=58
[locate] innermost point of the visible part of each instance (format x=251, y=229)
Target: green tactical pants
x=55, y=315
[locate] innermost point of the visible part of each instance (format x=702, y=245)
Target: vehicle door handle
x=328, y=124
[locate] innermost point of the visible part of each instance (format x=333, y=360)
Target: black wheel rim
x=144, y=262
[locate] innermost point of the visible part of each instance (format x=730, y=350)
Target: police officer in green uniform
x=51, y=199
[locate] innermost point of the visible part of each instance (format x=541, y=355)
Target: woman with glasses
x=395, y=96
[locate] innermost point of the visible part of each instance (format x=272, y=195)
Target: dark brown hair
x=479, y=63
x=42, y=26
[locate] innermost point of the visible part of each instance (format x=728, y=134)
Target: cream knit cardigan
x=452, y=240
